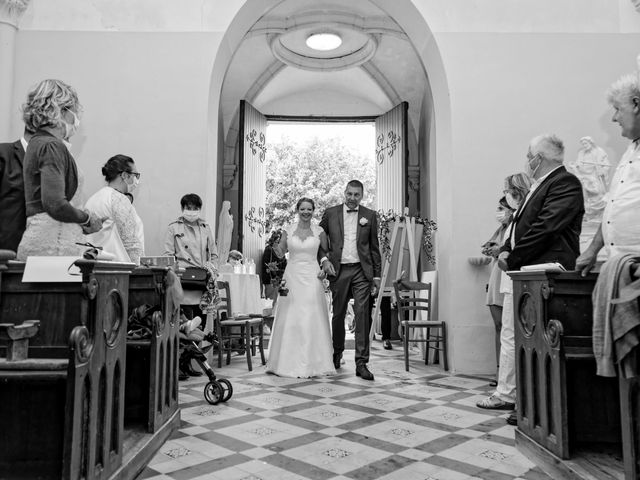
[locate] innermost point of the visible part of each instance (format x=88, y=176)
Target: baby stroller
x=216, y=390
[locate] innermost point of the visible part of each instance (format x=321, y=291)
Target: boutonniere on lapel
x=363, y=221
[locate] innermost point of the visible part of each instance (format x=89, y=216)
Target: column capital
x=12, y=10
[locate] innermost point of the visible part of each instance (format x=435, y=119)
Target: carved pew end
x=17, y=337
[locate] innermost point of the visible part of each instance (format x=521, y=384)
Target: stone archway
x=440, y=153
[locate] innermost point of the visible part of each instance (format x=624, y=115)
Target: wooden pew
x=568, y=417
x=98, y=307
x=62, y=413
x=151, y=391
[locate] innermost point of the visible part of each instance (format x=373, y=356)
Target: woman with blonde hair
x=516, y=188
x=55, y=221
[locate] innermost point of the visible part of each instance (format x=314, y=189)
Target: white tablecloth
x=245, y=292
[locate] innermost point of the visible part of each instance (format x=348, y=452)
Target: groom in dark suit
x=353, y=267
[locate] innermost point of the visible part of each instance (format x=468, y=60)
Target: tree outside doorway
x=317, y=164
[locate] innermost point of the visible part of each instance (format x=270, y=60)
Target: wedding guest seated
x=122, y=232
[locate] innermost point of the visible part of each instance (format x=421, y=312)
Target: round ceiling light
x=324, y=41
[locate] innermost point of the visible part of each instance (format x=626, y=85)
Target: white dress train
x=300, y=344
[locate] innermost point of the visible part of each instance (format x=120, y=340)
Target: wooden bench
x=568, y=417
x=53, y=402
x=151, y=391
x=62, y=412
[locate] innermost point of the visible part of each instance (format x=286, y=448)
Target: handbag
x=194, y=277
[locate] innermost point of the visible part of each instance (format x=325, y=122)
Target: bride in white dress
x=300, y=344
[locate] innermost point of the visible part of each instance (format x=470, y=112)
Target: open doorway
x=316, y=160
x=390, y=179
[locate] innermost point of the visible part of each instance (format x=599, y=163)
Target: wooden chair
x=411, y=311
x=246, y=330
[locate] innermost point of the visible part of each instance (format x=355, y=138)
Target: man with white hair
x=619, y=231
x=546, y=228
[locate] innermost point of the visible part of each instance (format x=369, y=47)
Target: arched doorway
x=432, y=146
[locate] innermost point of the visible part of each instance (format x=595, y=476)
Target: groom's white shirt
x=350, y=248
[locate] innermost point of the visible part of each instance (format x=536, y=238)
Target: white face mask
x=133, y=185
x=501, y=215
x=513, y=203
x=70, y=130
x=191, y=215
x=528, y=168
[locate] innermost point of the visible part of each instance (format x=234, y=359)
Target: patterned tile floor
x=417, y=425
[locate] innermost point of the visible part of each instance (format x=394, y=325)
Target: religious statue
x=225, y=228
x=592, y=169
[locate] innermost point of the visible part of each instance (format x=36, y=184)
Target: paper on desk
x=51, y=269
x=546, y=267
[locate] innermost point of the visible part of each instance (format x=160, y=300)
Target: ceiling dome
x=291, y=48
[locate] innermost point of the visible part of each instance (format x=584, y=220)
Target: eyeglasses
x=135, y=174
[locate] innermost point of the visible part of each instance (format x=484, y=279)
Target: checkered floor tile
x=417, y=425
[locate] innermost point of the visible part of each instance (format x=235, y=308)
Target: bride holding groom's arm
x=300, y=344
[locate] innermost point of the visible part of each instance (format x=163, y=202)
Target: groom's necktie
x=352, y=211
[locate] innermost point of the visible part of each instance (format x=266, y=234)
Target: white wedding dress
x=300, y=344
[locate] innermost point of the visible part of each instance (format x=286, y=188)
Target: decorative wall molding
x=229, y=175
x=12, y=10
x=413, y=174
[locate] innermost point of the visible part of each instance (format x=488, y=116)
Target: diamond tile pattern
x=420, y=425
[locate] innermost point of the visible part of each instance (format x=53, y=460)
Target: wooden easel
x=403, y=234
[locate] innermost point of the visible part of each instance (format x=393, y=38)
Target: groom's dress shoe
x=386, y=344
x=336, y=360
x=363, y=372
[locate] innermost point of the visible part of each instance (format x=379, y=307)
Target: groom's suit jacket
x=366, y=238
x=548, y=225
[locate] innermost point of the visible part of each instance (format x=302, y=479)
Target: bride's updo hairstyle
x=307, y=200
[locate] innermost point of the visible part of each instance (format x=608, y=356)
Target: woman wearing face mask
x=122, y=232
x=190, y=241
x=516, y=188
x=55, y=221
x=189, y=238
x=491, y=248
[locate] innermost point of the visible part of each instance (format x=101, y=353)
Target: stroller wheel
x=213, y=393
x=227, y=388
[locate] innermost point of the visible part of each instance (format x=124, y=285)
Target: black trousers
x=352, y=283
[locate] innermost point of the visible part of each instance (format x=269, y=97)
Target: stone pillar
x=10, y=13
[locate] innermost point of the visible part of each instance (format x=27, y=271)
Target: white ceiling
x=374, y=69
